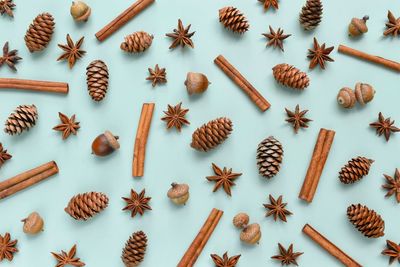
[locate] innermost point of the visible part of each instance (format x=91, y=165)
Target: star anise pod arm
x=276, y=37
x=384, y=126
x=319, y=55
x=6, y=7
x=297, y=118
x=9, y=57
x=392, y=251
x=181, y=36
x=157, y=75
x=65, y=259
x=72, y=52
x=277, y=208
x=7, y=247
x=67, y=125
x=223, y=177
x=175, y=116
x=137, y=203
x=287, y=257
x=393, y=185
x=392, y=26
x=225, y=261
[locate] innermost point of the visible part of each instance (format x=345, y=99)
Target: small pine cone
x=86, y=205
x=366, y=221
x=233, y=19
x=210, y=135
x=137, y=42
x=269, y=157
x=39, y=33
x=355, y=169
x=97, y=79
x=135, y=249
x=23, y=118
x=290, y=76
x=311, y=14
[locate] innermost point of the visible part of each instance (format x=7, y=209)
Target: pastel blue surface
x=169, y=158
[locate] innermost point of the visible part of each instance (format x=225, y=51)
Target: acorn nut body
x=364, y=93
x=196, y=83
x=105, y=144
x=358, y=26
x=346, y=97
x=178, y=193
x=80, y=11
x=33, y=224
x=251, y=234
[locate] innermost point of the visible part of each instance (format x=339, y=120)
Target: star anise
x=392, y=251
x=277, y=208
x=157, y=75
x=9, y=57
x=4, y=156
x=319, y=54
x=393, y=185
x=276, y=37
x=181, y=36
x=6, y=7
x=384, y=126
x=67, y=125
x=7, y=247
x=223, y=178
x=225, y=261
x=297, y=119
x=175, y=116
x=287, y=257
x=72, y=51
x=65, y=259
x=393, y=25
x=137, y=203
x=269, y=3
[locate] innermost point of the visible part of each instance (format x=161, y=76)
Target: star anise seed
x=393, y=25
x=225, y=261
x=393, y=185
x=276, y=37
x=137, y=203
x=384, y=126
x=72, y=51
x=157, y=75
x=181, y=36
x=277, y=208
x=287, y=257
x=65, y=259
x=67, y=125
x=319, y=55
x=223, y=177
x=297, y=118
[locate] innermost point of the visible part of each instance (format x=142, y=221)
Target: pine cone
x=355, y=169
x=311, y=14
x=211, y=134
x=269, y=157
x=23, y=118
x=366, y=221
x=97, y=79
x=39, y=33
x=137, y=42
x=135, y=249
x=290, y=76
x=86, y=205
x=233, y=19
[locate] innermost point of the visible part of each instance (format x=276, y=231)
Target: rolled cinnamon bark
x=34, y=85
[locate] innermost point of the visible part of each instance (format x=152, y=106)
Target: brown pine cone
x=269, y=157
x=211, y=134
x=233, y=19
x=290, y=76
x=39, y=33
x=137, y=42
x=366, y=221
x=86, y=205
x=355, y=169
x=135, y=249
x=23, y=118
x=97, y=79
x=311, y=14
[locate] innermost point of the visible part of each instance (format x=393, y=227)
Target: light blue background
x=171, y=229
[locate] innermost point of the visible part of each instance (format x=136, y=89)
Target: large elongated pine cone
x=366, y=221
x=355, y=169
x=211, y=134
x=290, y=76
x=233, y=19
x=311, y=14
x=39, y=33
x=269, y=157
x=137, y=42
x=86, y=205
x=97, y=79
x=23, y=118
x=135, y=249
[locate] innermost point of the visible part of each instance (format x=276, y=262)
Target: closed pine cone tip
x=290, y=76
x=137, y=42
x=269, y=157
x=135, y=249
x=367, y=221
x=211, y=134
x=23, y=118
x=39, y=33
x=97, y=79
x=233, y=19
x=311, y=14
x=355, y=169
x=86, y=205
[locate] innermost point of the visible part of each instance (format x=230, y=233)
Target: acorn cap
x=80, y=11
x=364, y=93
x=113, y=140
x=241, y=220
x=178, y=190
x=358, y=26
x=346, y=97
x=251, y=234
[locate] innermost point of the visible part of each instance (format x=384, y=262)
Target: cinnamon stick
x=317, y=163
x=122, y=19
x=196, y=247
x=241, y=81
x=372, y=58
x=33, y=85
x=329, y=246
x=27, y=179
x=142, y=133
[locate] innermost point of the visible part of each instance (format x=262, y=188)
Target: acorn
x=358, y=26
x=346, y=97
x=364, y=93
x=105, y=144
x=33, y=224
x=251, y=234
x=178, y=193
x=80, y=11
x=196, y=83
x=241, y=220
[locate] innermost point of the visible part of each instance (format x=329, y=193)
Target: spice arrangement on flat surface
x=199, y=133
